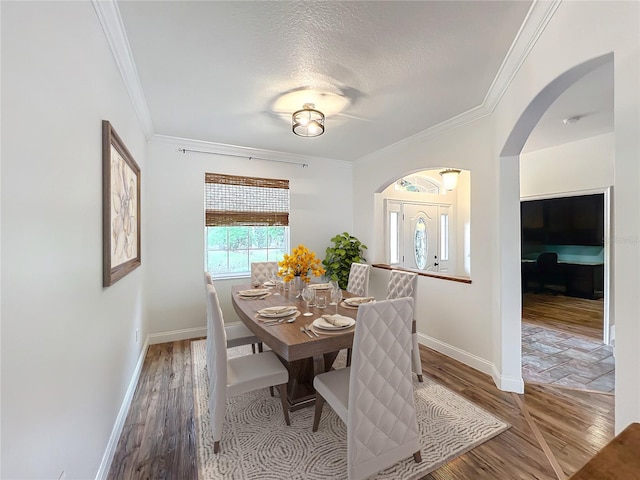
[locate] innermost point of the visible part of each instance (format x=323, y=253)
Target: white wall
x=452, y=317
x=321, y=207
x=583, y=165
x=481, y=321
x=68, y=348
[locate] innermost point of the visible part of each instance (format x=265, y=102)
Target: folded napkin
x=358, y=300
x=276, y=310
x=337, y=320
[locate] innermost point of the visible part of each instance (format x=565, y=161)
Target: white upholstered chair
x=359, y=279
x=405, y=284
x=262, y=272
x=234, y=376
x=237, y=334
x=374, y=396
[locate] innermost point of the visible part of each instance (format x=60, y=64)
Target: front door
x=420, y=237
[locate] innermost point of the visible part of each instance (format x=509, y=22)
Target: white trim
x=111, y=22
x=175, y=335
x=467, y=358
x=532, y=27
x=507, y=384
x=107, y=458
x=503, y=383
x=608, y=195
x=534, y=24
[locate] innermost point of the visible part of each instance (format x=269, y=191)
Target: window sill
x=440, y=276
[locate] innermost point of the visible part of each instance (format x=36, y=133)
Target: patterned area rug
x=256, y=443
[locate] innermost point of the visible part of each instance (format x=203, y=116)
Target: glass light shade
x=308, y=122
x=450, y=178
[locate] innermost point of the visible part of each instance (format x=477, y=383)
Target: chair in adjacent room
x=229, y=377
x=237, y=333
x=262, y=272
x=405, y=284
x=374, y=396
x=359, y=279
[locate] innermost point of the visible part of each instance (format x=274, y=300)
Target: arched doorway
x=507, y=351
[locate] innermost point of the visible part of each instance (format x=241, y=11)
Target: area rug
x=256, y=443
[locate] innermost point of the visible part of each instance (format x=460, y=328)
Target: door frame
x=608, y=331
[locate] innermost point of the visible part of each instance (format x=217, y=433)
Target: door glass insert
x=420, y=243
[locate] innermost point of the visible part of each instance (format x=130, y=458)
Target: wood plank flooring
x=579, y=316
x=158, y=440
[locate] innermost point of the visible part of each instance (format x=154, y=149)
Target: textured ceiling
x=213, y=71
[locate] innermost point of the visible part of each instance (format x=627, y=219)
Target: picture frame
x=120, y=208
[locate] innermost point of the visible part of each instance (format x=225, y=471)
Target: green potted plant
x=346, y=249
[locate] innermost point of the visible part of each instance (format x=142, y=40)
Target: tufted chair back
x=381, y=422
x=402, y=284
x=405, y=284
x=359, y=279
x=262, y=272
x=216, y=363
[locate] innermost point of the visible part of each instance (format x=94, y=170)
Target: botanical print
x=124, y=233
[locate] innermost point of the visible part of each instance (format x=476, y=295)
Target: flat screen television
x=575, y=220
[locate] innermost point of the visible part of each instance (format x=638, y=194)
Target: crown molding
x=111, y=22
x=239, y=151
x=534, y=24
x=538, y=16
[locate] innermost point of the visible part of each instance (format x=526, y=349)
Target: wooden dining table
x=303, y=356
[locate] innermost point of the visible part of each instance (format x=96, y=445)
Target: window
x=444, y=236
x=246, y=220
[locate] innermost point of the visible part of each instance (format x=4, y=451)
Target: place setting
x=355, y=302
x=254, y=293
x=332, y=324
x=277, y=314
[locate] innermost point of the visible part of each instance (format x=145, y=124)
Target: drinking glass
x=308, y=294
x=336, y=296
x=298, y=286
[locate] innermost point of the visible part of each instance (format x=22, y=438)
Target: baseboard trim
x=503, y=383
x=176, y=335
x=507, y=384
x=456, y=353
x=107, y=458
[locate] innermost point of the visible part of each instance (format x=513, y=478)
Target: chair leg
x=318, y=414
x=271, y=391
x=259, y=347
x=417, y=457
x=283, y=400
x=415, y=356
x=253, y=348
x=349, y=357
x=216, y=446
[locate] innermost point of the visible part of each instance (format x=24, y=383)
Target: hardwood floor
x=578, y=316
x=553, y=432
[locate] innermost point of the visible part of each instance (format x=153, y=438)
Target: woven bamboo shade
x=232, y=200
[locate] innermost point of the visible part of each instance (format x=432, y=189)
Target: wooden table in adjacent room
x=303, y=356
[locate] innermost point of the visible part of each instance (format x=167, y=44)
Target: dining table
x=303, y=354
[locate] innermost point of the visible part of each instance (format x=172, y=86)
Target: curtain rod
x=185, y=150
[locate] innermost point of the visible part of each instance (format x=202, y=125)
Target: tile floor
x=558, y=358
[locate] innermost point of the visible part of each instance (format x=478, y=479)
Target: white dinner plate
x=322, y=324
x=256, y=292
x=277, y=312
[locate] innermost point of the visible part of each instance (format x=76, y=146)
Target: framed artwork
x=120, y=208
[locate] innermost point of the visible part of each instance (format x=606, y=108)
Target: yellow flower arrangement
x=300, y=263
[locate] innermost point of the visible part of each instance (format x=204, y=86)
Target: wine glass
x=336, y=296
x=308, y=294
x=334, y=284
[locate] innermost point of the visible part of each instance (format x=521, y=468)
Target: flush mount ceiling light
x=450, y=178
x=308, y=122
x=571, y=120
